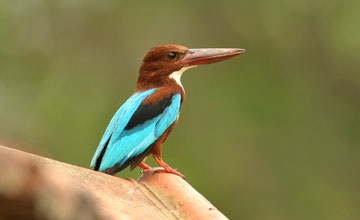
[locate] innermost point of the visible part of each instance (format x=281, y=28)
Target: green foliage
x=273, y=134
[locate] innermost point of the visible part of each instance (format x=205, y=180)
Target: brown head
x=166, y=63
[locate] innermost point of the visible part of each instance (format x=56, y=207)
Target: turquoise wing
x=120, y=120
x=145, y=126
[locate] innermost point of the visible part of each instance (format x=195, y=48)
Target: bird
x=143, y=123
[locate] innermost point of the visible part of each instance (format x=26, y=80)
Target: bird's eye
x=172, y=55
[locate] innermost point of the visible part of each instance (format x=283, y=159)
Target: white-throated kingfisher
x=146, y=119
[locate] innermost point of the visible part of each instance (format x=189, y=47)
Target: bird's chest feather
x=162, y=94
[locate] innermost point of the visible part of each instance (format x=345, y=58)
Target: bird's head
x=167, y=62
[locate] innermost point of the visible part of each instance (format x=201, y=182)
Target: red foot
x=144, y=166
x=167, y=168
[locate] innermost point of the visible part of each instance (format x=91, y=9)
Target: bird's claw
x=173, y=171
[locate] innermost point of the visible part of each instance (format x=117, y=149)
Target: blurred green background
x=273, y=134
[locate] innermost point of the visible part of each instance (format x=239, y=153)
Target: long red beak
x=205, y=56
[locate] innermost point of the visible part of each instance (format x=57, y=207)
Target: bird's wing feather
x=120, y=120
x=169, y=116
x=145, y=126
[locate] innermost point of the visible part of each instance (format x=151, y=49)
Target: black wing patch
x=147, y=112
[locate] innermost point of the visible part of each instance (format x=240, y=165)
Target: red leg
x=144, y=166
x=167, y=168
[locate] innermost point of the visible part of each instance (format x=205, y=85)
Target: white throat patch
x=177, y=75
